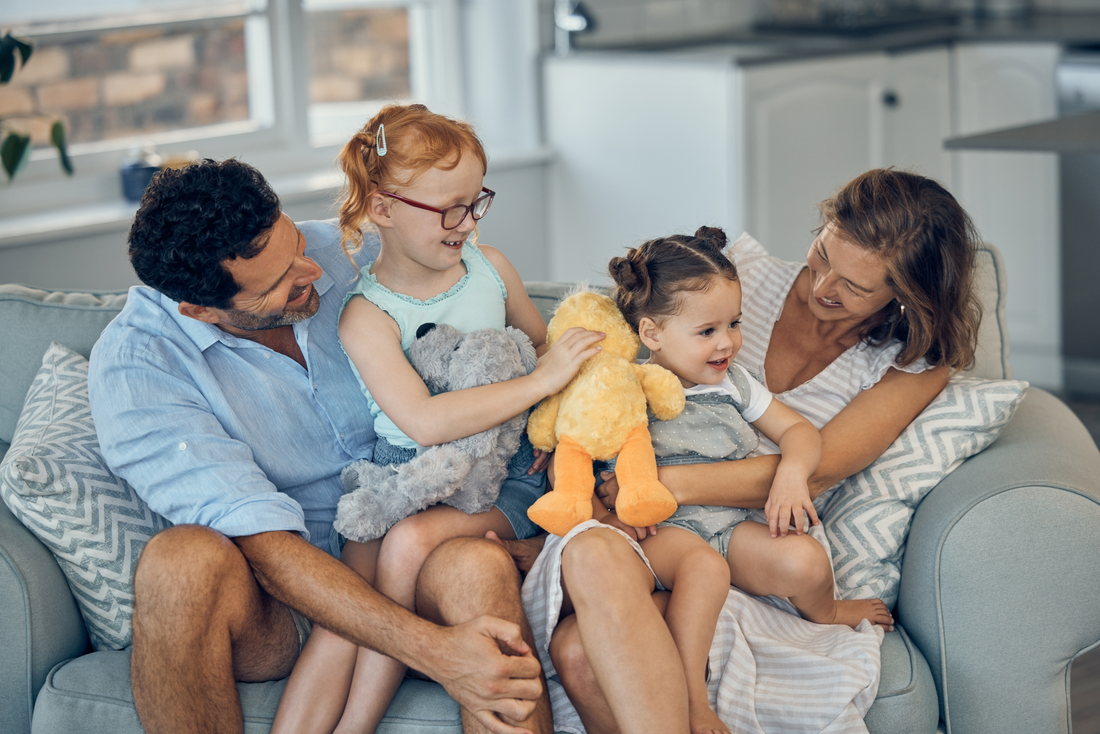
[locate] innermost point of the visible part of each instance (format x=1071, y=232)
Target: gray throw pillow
x=867, y=518
x=56, y=482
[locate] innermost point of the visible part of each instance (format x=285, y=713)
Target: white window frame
x=278, y=95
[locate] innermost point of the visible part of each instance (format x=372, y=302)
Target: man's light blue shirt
x=218, y=431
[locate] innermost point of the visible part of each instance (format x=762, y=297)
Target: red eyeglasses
x=452, y=216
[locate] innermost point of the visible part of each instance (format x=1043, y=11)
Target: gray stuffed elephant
x=466, y=473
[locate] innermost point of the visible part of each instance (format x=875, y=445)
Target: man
x=221, y=394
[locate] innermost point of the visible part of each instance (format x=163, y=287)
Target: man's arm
x=467, y=659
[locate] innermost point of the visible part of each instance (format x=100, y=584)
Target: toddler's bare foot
x=705, y=721
x=853, y=611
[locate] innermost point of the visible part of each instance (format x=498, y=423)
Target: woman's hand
x=788, y=498
x=602, y=513
x=609, y=490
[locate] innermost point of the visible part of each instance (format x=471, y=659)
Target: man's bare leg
x=201, y=623
x=465, y=578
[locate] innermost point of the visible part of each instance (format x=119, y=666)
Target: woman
x=859, y=340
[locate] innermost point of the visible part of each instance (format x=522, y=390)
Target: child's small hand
x=556, y=368
x=542, y=460
x=785, y=504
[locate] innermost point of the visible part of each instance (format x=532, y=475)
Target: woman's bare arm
x=850, y=442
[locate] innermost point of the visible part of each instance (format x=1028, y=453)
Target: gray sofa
x=998, y=591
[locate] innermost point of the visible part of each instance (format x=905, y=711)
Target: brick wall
x=359, y=55
x=119, y=83
x=138, y=81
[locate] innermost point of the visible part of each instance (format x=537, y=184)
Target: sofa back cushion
x=29, y=320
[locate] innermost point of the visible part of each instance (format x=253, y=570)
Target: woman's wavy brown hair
x=927, y=243
x=416, y=139
x=651, y=279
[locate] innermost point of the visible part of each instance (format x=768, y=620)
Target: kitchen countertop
x=1077, y=134
x=747, y=46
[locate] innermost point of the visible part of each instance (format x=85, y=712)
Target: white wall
x=98, y=261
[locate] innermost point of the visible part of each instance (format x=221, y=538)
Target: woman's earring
x=902, y=308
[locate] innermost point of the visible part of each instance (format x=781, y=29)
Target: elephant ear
x=431, y=353
x=526, y=350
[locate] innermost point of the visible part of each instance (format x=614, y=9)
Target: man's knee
x=471, y=560
x=184, y=563
x=470, y=573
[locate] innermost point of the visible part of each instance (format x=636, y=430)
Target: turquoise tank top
x=476, y=301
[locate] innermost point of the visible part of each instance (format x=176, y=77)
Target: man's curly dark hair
x=192, y=220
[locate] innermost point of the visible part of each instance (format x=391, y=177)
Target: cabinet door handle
x=891, y=99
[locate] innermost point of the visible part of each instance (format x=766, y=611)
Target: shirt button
x=341, y=436
x=183, y=446
x=267, y=355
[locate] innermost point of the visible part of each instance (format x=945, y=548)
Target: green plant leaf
x=25, y=48
x=9, y=44
x=57, y=137
x=7, y=58
x=15, y=151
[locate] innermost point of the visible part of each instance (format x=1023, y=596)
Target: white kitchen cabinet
x=1013, y=197
x=812, y=126
x=651, y=144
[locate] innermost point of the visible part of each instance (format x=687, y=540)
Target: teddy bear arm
x=662, y=390
x=541, y=424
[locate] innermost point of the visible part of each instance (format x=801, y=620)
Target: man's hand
x=487, y=667
x=523, y=552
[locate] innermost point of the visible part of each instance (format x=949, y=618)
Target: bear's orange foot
x=559, y=513
x=645, y=505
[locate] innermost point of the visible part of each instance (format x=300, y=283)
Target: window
x=279, y=83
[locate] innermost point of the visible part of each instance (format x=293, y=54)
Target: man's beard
x=248, y=321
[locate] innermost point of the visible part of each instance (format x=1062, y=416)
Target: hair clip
x=380, y=140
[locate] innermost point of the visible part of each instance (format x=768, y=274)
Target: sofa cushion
x=56, y=482
x=867, y=518
x=907, y=700
x=29, y=320
x=92, y=695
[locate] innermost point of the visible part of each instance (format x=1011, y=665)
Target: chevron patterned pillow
x=867, y=518
x=56, y=482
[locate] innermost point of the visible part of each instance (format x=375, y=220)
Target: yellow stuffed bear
x=601, y=414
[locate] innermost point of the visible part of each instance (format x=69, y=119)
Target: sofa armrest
x=41, y=626
x=999, y=581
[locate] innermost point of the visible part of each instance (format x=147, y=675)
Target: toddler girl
x=417, y=177
x=682, y=296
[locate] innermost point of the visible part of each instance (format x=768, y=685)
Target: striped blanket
x=777, y=672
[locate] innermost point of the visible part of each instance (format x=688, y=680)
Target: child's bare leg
x=404, y=550
x=317, y=691
x=576, y=675
x=797, y=567
x=699, y=579
x=625, y=639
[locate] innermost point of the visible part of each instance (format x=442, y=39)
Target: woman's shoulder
x=745, y=250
